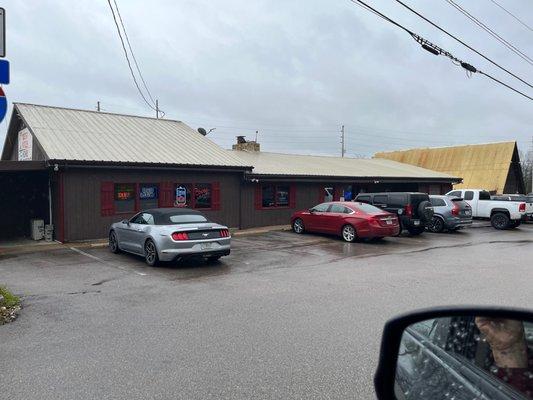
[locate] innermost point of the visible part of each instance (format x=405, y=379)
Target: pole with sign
x=4, y=64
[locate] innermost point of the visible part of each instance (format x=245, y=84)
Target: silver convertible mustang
x=170, y=234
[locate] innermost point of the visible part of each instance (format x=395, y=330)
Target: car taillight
x=408, y=210
x=180, y=236
x=522, y=207
x=455, y=210
x=224, y=233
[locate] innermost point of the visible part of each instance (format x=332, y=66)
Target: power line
x=434, y=49
x=132, y=53
x=127, y=58
x=463, y=43
x=495, y=35
x=512, y=15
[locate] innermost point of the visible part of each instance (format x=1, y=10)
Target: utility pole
x=157, y=109
x=343, y=149
x=98, y=106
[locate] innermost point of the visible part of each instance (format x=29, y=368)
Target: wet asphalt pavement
x=285, y=316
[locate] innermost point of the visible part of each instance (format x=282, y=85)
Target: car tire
x=425, y=212
x=298, y=226
x=348, y=233
x=436, y=225
x=113, y=243
x=150, y=253
x=415, y=231
x=500, y=221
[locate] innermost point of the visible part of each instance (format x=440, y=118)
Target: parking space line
x=105, y=262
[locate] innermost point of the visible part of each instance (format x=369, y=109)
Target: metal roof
x=316, y=166
x=480, y=165
x=82, y=135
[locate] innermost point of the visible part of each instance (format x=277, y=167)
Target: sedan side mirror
x=458, y=352
x=125, y=221
x=311, y=210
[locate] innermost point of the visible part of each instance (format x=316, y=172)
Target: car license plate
x=388, y=221
x=416, y=222
x=206, y=246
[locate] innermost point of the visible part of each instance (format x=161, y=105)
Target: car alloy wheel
x=500, y=221
x=348, y=233
x=298, y=226
x=113, y=243
x=150, y=253
x=436, y=225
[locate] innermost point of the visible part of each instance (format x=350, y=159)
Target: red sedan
x=351, y=220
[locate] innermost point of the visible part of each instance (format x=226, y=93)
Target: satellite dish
x=202, y=131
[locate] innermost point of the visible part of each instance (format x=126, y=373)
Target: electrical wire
x=463, y=43
x=495, y=35
x=128, y=59
x=132, y=53
x=427, y=45
x=512, y=15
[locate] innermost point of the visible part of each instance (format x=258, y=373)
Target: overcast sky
x=294, y=70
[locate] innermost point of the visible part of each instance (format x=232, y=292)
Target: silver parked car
x=170, y=234
x=450, y=213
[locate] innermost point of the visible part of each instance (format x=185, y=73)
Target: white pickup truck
x=502, y=214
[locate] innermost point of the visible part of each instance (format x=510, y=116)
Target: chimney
x=244, y=145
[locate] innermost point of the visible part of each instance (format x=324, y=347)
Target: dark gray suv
x=414, y=210
x=451, y=213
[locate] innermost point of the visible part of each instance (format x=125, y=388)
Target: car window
x=173, y=219
x=460, y=348
x=137, y=219
x=148, y=219
x=337, y=208
x=381, y=199
x=455, y=193
x=396, y=200
x=367, y=208
x=469, y=195
x=321, y=207
x=436, y=202
x=143, y=218
x=484, y=195
x=364, y=199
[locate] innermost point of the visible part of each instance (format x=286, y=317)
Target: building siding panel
x=83, y=219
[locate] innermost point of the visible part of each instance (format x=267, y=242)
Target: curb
x=101, y=243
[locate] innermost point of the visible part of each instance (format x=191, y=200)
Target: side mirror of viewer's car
x=457, y=353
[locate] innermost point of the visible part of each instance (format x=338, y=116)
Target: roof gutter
x=251, y=177
x=66, y=164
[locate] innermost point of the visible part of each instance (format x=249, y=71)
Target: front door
x=314, y=221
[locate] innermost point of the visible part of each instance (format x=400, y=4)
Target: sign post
x=2, y=32
x=4, y=64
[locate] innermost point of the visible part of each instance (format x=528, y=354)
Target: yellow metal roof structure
x=483, y=166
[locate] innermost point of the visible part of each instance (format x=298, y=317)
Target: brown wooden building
x=82, y=170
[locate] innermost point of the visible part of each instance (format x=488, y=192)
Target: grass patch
x=10, y=300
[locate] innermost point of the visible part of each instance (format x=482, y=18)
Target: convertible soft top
x=162, y=215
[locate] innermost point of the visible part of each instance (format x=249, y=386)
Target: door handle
x=139, y=230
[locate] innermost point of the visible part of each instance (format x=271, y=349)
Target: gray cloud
x=293, y=70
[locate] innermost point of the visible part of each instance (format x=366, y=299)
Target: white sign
x=2, y=32
x=25, y=145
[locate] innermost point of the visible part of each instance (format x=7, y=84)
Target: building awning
x=6, y=166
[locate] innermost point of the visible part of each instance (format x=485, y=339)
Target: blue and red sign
x=3, y=105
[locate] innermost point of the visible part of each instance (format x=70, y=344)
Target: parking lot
x=284, y=316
